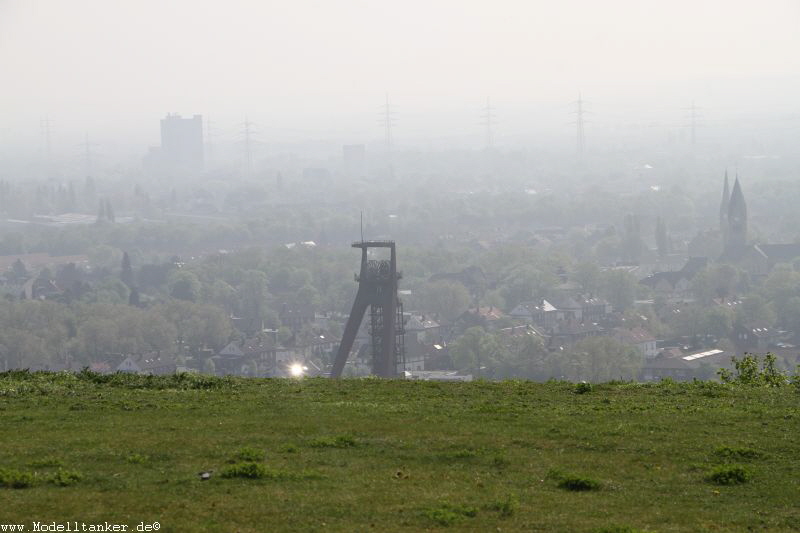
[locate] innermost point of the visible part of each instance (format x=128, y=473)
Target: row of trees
x=42, y=332
x=498, y=356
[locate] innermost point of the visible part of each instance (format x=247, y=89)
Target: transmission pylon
x=580, y=110
x=87, y=154
x=47, y=148
x=248, y=132
x=388, y=121
x=488, y=121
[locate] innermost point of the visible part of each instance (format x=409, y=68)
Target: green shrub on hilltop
x=747, y=372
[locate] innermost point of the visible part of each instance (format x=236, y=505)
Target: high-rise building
x=182, y=142
x=181, y=150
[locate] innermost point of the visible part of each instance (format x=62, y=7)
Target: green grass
x=375, y=455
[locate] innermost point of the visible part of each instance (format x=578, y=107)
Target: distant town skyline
x=307, y=70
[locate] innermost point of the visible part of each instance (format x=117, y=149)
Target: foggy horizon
x=306, y=72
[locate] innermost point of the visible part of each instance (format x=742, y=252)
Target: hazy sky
x=318, y=67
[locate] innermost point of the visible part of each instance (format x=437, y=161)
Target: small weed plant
x=447, y=514
x=726, y=454
x=506, y=507
x=338, y=441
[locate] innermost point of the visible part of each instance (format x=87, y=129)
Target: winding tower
x=377, y=289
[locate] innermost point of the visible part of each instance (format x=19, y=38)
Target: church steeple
x=737, y=217
x=723, y=206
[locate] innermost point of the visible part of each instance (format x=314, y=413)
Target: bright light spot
x=296, y=370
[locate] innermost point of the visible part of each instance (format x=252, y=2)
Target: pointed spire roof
x=726, y=199
x=737, y=206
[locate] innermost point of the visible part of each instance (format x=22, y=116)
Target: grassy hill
x=375, y=455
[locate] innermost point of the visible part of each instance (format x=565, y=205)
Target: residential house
x=568, y=332
x=755, y=337
x=539, y=312
x=296, y=317
x=685, y=365
x=677, y=283
x=479, y=316
x=640, y=338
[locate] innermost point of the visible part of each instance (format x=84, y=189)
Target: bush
x=572, y=482
x=65, y=478
x=245, y=470
x=249, y=470
x=728, y=475
x=747, y=372
x=15, y=479
x=45, y=462
x=447, y=514
x=137, y=459
x=578, y=484
x=617, y=529
x=339, y=441
x=506, y=507
x=249, y=455
x=582, y=388
x=728, y=454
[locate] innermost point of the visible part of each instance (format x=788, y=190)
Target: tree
x=600, y=359
x=721, y=281
x=254, y=295
x=209, y=367
x=662, y=240
x=526, y=283
x=133, y=297
x=126, y=274
x=184, y=285
x=477, y=352
x=19, y=270
x=447, y=299
x=619, y=288
x=109, y=211
x=587, y=275
x=308, y=296
x=527, y=358
x=632, y=244
x=755, y=310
